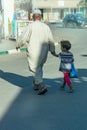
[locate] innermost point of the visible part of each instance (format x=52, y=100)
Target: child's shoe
x=62, y=88
x=71, y=90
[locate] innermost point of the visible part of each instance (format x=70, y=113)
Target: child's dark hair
x=65, y=44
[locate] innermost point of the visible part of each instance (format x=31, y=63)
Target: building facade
x=52, y=10
x=57, y=9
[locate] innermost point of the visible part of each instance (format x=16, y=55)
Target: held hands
x=17, y=48
x=54, y=54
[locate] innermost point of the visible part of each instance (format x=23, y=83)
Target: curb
x=13, y=51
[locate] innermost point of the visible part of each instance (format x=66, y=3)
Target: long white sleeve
x=24, y=37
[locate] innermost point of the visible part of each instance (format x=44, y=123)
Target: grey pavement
x=7, y=45
x=22, y=109
x=58, y=34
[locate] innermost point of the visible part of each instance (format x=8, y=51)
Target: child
x=66, y=58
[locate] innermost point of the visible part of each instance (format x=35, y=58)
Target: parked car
x=74, y=20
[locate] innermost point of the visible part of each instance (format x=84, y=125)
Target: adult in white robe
x=39, y=41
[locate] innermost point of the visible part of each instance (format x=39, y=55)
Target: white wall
x=8, y=10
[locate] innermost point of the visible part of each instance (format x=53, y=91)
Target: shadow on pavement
x=56, y=110
x=15, y=79
x=84, y=55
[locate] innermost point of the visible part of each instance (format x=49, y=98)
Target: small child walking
x=66, y=58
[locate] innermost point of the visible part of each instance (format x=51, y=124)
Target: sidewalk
x=9, y=47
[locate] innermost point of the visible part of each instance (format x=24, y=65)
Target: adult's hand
x=54, y=54
x=17, y=48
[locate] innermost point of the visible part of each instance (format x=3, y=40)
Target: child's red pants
x=67, y=78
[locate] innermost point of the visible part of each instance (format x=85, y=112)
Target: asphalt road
x=22, y=109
